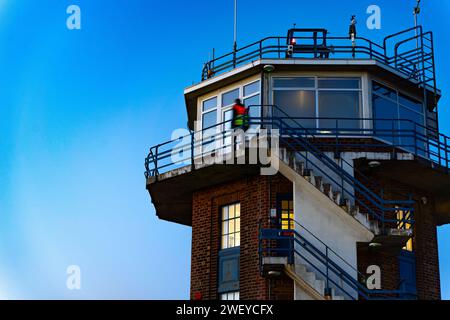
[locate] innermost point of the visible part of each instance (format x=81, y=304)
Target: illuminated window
x=287, y=215
x=402, y=217
x=230, y=296
x=231, y=226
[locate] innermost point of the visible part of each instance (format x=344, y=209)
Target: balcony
x=178, y=165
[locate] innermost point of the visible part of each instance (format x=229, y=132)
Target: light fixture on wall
x=374, y=164
x=268, y=68
x=374, y=245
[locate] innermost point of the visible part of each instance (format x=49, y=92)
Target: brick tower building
x=358, y=180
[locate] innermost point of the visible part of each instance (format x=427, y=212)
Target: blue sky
x=79, y=109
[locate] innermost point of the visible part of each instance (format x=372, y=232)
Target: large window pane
x=209, y=104
x=296, y=103
x=255, y=111
x=384, y=91
x=231, y=226
x=339, y=104
x=229, y=97
x=409, y=128
x=295, y=82
x=209, y=119
x=339, y=83
x=410, y=103
x=385, y=115
x=251, y=88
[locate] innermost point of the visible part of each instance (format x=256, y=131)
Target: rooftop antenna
x=235, y=26
x=416, y=13
x=235, y=34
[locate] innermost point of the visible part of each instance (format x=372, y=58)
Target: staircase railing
x=325, y=262
x=191, y=147
x=298, y=139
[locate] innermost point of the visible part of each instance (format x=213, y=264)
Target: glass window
x=251, y=88
x=297, y=82
x=230, y=296
x=287, y=215
x=297, y=103
x=339, y=104
x=385, y=113
x=410, y=103
x=231, y=226
x=229, y=97
x=402, y=217
x=209, y=104
x=255, y=111
x=209, y=119
x=384, y=91
x=339, y=83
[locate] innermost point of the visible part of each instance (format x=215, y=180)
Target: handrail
x=275, y=47
x=162, y=152
x=329, y=265
x=369, y=195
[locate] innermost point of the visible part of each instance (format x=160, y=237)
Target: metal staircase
x=319, y=271
x=360, y=197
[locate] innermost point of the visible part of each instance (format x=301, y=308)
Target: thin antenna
x=235, y=26
x=416, y=13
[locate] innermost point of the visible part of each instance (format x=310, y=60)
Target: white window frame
x=234, y=295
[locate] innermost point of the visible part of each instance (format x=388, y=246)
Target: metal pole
x=416, y=14
x=235, y=34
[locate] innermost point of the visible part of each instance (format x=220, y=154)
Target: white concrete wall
x=327, y=221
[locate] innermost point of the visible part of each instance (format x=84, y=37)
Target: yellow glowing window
x=287, y=215
x=231, y=226
x=403, y=216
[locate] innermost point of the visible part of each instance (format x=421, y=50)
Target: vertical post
x=446, y=153
x=235, y=34
x=337, y=153
x=342, y=182
x=192, y=151
x=327, y=286
x=415, y=140
x=394, y=154
x=156, y=163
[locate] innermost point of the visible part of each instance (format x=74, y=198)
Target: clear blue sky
x=79, y=109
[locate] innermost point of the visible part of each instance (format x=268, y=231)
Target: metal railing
x=328, y=265
x=414, y=62
x=190, y=150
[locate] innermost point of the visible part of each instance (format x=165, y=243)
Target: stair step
x=319, y=285
x=328, y=190
x=337, y=197
x=354, y=210
x=318, y=183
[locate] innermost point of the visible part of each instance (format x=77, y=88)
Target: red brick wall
x=424, y=245
x=256, y=195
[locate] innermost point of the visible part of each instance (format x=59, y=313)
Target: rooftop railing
x=411, y=54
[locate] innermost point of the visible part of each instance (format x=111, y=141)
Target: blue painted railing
x=323, y=261
x=186, y=151
x=410, y=52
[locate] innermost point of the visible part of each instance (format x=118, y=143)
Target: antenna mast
x=416, y=13
x=235, y=26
